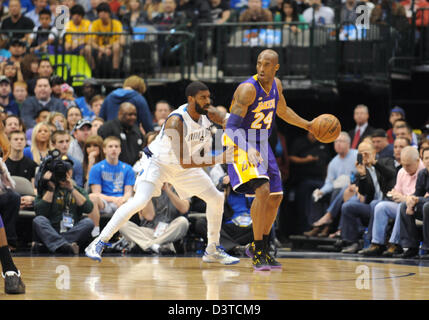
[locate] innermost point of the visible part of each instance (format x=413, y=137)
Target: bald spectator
x=381, y=144
x=132, y=91
x=16, y=21
x=126, y=129
x=42, y=99
x=362, y=129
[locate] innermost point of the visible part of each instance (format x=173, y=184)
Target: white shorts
x=186, y=182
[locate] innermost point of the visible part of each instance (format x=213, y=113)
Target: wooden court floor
x=188, y=278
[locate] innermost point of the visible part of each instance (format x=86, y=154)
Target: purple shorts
x=245, y=178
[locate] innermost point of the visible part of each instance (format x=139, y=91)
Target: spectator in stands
x=43, y=35
x=41, y=116
x=6, y=98
x=16, y=21
x=423, y=145
x=107, y=48
x=162, y=223
x=370, y=6
x=255, y=13
x=84, y=103
x=92, y=154
x=169, y=17
x=309, y=159
x=18, y=164
x=95, y=105
x=42, y=99
x=220, y=11
x=415, y=207
x=132, y=91
x=111, y=182
x=153, y=8
x=125, y=129
x=17, y=50
x=302, y=5
x=362, y=129
x=92, y=15
x=58, y=120
x=348, y=13
x=135, y=15
x=9, y=204
x=322, y=15
x=79, y=44
x=340, y=168
x=21, y=166
x=30, y=65
x=162, y=110
x=12, y=70
x=73, y=116
x=389, y=13
x=56, y=83
x=60, y=140
x=290, y=14
x=405, y=186
x=399, y=144
x=276, y=9
x=4, y=10
x=382, y=146
x=13, y=123
x=395, y=114
x=34, y=14
x=44, y=70
x=59, y=224
x=20, y=93
x=81, y=132
x=40, y=143
x=374, y=179
x=402, y=129
x=96, y=124
x=67, y=96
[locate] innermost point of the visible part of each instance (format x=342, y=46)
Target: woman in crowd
x=96, y=123
x=58, y=120
x=92, y=154
x=73, y=116
x=135, y=15
x=40, y=142
x=96, y=103
x=290, y=15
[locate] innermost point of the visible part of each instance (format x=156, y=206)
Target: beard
x=200, y=109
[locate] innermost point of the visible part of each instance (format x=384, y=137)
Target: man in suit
x=362, y=129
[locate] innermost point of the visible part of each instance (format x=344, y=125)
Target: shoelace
x=100, y=246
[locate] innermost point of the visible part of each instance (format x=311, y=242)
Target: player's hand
x=310, y=127
x=311, y=158
x=215, y=115
x=360, y=168
x=254, y=157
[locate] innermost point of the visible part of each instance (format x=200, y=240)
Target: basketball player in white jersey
x=175, y=157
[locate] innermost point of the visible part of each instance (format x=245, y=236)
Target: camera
x=359, y=158
x=55, y=163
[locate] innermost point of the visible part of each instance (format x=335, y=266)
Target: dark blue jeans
x=44, y=232
x=9, y=209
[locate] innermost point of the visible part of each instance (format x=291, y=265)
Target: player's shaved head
x=269, y=54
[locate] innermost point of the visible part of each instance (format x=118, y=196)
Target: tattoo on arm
x=243, y=98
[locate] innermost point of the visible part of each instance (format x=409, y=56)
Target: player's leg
x=142, y=196
x=12, y=277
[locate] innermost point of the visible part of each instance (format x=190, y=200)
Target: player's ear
x=277, y=67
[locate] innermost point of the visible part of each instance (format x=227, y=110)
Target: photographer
x=374, y=180
x=59, y=224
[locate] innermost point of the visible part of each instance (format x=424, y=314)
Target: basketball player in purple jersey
x=255, y=104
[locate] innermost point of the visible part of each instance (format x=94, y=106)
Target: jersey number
x=260, y=117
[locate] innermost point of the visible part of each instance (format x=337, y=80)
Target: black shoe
x=68, y=249
x=13, y=283
x=273, y=263
x=408, y=254
x=393, y=249
x=373, y=250
x=37, y=247
x=166, y=250
x=260, y=262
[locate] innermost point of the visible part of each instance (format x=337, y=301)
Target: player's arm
x=287, y=114
x=243, y=98
x=174, y=130
x=218, y=116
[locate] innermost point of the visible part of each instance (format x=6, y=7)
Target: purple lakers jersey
x=262, y=112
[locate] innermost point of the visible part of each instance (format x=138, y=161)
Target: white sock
x=140, y=199
x=95, y=232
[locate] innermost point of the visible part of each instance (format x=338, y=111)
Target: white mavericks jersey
x=196, y=135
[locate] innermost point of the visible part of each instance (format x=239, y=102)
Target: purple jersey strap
x=1, y=223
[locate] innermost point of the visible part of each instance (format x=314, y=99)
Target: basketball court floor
x=325, y=276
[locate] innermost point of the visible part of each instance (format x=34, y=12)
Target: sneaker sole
x=92, y=257
x=217, y=261
x=264, y=268
x=275, y=267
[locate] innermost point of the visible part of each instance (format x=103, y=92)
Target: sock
x=259, y=245
x=95, y=232
x=6, y=260
x=214, y=211
x=266, y=240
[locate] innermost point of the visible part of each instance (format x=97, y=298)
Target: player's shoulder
x=278, y=83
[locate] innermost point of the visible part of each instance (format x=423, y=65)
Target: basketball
x=326, y=128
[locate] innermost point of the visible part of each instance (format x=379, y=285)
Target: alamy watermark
x=363, y=18
x=63, y=17
x=63, y=280
x=362, y=281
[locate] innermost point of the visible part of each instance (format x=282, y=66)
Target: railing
x=228, y=52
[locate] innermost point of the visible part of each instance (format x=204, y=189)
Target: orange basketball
x=326, y=128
